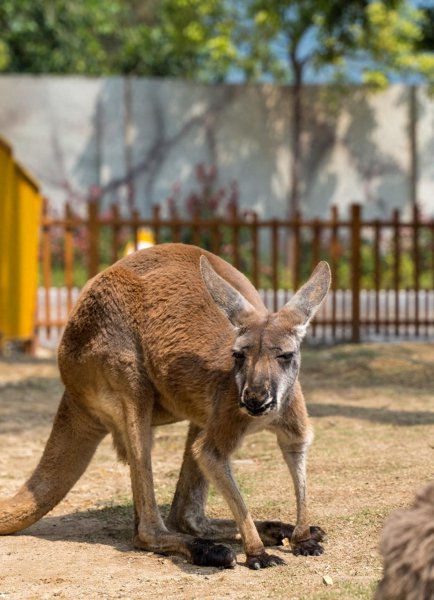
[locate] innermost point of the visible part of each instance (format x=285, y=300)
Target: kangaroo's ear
x=228, y=299
x=309, y=297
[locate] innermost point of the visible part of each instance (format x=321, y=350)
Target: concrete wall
x=74, y=132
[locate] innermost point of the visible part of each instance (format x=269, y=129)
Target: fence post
x=334, y=252
x=69, y=255
x=255, y=250
x=396, y=265
x=296, y=251
x=116, y=229
x=156, y=222
x=46, y=266
x=275, y=261
x=355, y=272
x=93, y=233
x=235, y=234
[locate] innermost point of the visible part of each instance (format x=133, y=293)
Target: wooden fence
x=383, y=271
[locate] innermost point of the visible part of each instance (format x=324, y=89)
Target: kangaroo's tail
x=72, y=443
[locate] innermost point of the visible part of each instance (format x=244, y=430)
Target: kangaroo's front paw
x=307, y=548
x=207, y=554
x=264, y=560
x=317, y=533
x=278, y=534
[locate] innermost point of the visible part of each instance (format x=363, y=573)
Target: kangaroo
x=175, y=333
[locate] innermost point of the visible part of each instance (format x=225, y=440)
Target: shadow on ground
x=111, y=526
x=376, y=415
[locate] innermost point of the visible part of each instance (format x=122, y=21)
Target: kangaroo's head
x=266, y=351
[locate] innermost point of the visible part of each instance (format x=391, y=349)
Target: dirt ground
x=372, y=409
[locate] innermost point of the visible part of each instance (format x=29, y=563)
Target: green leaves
x=188, y=38
x=391, y=42
x=270, y=40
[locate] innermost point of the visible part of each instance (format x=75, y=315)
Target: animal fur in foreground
x=407, y=546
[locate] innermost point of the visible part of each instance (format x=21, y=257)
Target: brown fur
x=407, y=546
x=156, y=339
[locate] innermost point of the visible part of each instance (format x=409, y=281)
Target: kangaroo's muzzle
x=257, y=403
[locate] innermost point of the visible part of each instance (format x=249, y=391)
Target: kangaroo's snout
x=257, y=401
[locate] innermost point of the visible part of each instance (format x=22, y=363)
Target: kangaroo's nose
x=256, y=400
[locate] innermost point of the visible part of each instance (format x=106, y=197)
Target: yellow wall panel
x=6, y=207
x=20, y=214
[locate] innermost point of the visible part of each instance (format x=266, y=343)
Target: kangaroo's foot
x=310, y=546
x=307, y=548
x=201, y=552
x=208, y=554
x=263, y=561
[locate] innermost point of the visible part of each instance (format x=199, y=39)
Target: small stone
x=327, y=580
x=285, y=542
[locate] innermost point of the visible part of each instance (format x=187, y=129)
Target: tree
x=282, y=40
x=179, y=38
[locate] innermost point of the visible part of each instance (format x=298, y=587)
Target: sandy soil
x=372, y=410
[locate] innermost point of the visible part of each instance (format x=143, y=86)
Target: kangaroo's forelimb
x=187, y=512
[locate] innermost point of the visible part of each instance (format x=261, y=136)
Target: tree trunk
x=413, y=117
x=296, y=147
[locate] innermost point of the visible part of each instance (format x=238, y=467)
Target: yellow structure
x=145, y=239
x=20, y=217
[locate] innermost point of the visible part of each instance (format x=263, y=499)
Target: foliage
x=188, y=38
x=393, y=39
x=281, y=39
x=426, y=41
x=209, y=39
x=56, y=36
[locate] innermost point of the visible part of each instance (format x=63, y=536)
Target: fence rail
x=383, y=271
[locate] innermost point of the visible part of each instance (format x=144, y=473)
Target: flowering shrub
x=208, y=200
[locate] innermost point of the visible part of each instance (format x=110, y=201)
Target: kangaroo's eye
x=286, y=357
x=240, y=357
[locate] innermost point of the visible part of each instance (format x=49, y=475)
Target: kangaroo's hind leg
x=150, y=531
x=187, y=513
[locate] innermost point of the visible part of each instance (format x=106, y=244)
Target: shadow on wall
x=134, y=138
x=162, y=131
x=165, y=128
x=352, y=151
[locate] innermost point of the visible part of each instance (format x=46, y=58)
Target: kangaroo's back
x=183, y=261
x=163, y=281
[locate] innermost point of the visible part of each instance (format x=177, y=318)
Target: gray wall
x=74, y=132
